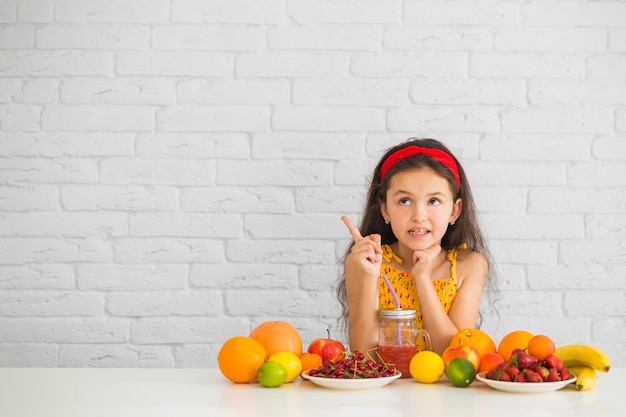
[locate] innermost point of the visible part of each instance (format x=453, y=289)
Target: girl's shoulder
x=471, y=262
x=464, y=253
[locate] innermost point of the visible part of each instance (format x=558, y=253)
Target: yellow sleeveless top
x=404, y=286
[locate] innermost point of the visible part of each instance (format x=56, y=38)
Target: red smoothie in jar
x=398, y=355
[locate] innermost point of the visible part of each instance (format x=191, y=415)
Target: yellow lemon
x=426, y=367
x=290, y=361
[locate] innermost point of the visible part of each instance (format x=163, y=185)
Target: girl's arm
x=362, y=271
x=362, y=291
x=471, y=275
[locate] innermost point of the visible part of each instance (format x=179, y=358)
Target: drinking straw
x=392, y=291
x=397, y=302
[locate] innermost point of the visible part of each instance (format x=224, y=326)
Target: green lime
x=460, y=372
x=271, y=374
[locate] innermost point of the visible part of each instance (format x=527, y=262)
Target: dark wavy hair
x=465, y=230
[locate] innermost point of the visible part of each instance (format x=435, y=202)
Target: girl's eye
x=405, y=201
x=433, y=202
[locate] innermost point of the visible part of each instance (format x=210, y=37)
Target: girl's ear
x=383, y=211
x=456, y=210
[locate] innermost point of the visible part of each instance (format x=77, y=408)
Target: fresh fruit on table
x=460, y=372
x=489, y=361
x=581, y=354
x=517, y=339
x=240, y=358
x=355, y=365
x=310, y=361
x=523, y=367
x=277, y=336
x=272, y=374
x=426, y=367
x=586, y=377
x=290, y=361
x=327, y=348
x=468, y=352
x=474, y=337
x=541, y=346
x=333, y=353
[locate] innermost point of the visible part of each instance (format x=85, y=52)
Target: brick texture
x=173, y=172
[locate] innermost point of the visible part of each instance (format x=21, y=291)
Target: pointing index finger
x=354, y=231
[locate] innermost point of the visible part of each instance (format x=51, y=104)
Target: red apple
x=468, y=352
x=333, y=352
x=327, y=348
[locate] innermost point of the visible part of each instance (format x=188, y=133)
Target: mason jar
x=399, y=339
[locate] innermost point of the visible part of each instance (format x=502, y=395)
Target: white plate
x=524, y=387
x=350, y=384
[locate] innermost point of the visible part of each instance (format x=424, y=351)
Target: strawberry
x=501, y=368
x=553, y=375
x=499, y=373
x=542, y=371
x=553, y=361
x=493, y=374
x=532, y=376
x=513, y=371
x=520, y=378
x=523, y=359
x=565, y=375
x=504, y=377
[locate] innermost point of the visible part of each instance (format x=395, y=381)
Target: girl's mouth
x=418, y=231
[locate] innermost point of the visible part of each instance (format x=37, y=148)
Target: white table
x=89, y=392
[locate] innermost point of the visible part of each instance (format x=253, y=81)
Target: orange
x=541, y=346
x=489, y=361
x=240, y=358
x=473, y=337
x=310, y=361
x=514, y=340
x=277, y=336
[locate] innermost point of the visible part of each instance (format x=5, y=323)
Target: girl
x=420, y=231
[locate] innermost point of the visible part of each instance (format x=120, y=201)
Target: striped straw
x=397, y=301
x=392, y=291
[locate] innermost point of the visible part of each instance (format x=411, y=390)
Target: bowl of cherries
x=357, y=371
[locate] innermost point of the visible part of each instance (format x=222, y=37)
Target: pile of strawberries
x=523, y=367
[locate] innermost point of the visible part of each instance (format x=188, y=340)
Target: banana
x=586, y=377
x=581, y=354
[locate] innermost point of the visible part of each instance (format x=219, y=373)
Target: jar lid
x=397, y=314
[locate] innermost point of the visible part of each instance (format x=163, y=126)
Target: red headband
x=437, y=154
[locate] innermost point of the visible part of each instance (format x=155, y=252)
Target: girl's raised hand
x=367, y=251
x=424, y=260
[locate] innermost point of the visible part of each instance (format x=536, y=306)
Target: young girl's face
x=420, y=207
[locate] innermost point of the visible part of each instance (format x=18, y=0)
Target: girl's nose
x=419, y=214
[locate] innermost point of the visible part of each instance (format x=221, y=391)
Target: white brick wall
x=173, y=171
